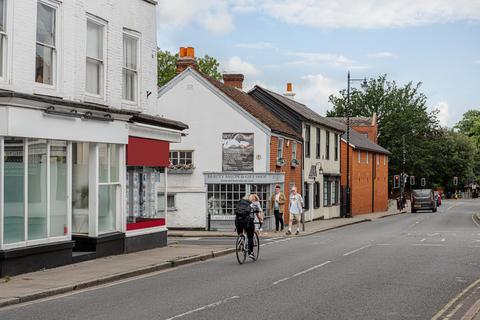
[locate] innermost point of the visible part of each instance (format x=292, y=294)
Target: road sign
x=423, y=182
x=455, y=181
x=412, y=180
x=396, y=181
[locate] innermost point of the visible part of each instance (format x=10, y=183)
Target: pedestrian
x=257, y=207
x=277, y=205
x=296, y=208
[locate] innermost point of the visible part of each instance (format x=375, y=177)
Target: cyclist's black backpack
x=243, y=209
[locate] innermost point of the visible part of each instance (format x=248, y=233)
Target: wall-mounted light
x=71, y=114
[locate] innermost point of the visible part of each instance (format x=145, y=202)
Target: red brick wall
x=291, y=174
x=372, y=131
x=361, y=181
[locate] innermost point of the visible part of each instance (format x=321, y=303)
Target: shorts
x=296, y=216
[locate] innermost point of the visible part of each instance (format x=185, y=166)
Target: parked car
x=438, y=198
x=423, y=199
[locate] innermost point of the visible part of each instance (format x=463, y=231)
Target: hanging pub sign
x=237, y=152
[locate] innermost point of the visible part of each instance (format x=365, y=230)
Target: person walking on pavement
x=296, y=207
x=277, y=205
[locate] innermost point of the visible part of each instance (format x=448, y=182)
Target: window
x=109, y=186
x=80, y=187
x=280, y=149
x=359, y=153
x=37, y=186
x=3, y=36
x=327, y=145
x=130, y=67
x=326, y=192
x=378, y=159
x=336, y=146
x=294, y=150
x=181, y=157
x=170, y=202
x=316, y=194
x=223, y=198
x=318, y=143
x=366, y=160
x=95, y=58
x=334, y=192
x=58, y=188
x=307, y=141
x=46, y=44
x=306, y=195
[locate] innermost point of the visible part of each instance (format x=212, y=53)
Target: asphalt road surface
x=403, y=267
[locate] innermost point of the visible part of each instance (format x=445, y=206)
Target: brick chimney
x=289, y=93
x=186, y=58
x=234, y=80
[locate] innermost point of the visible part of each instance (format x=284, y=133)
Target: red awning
x=147, y=152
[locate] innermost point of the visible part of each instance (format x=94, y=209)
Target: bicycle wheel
x=240, y=251
x=256, y=246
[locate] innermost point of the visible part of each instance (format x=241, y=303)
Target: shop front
x=224, y=190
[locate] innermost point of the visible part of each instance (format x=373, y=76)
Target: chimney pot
x=190, y=52
x=186, y=59
x=183, y=52
x=289, y=93
x=289, y=87
x=234, y=80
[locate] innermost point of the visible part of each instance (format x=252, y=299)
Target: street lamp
x=364, y=85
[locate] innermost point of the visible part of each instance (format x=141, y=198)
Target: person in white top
x=295, y=208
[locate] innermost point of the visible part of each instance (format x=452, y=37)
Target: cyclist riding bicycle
x=247, y=209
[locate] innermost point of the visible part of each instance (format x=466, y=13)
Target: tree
x=470, y=125
x=167, y=66
x=401, y=110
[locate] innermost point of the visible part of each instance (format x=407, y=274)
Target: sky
x=314, y=43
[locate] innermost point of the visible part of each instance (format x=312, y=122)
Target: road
x=403, y=267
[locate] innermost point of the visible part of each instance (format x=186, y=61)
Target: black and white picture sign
x=237, y=152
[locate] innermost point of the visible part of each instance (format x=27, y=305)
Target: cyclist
x=245, y=219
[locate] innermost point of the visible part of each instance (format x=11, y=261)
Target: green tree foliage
x=401, y=110
x=167, y=66
x=470, y=126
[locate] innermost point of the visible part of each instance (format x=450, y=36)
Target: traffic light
x=423, y=182
x=455, y=181
x=396, y=181
x=412, y=180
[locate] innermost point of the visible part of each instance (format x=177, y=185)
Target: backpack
x=243, y=209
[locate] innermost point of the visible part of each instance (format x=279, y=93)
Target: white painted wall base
x=190, y=213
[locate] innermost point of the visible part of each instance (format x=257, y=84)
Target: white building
x=226, y=153
x=74, y=78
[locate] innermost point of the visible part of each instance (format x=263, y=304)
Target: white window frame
x=327, y=145
x=178, y=155
x=4, y=42
x=280, y=148
x=294, y=150
x=103, y=24
x=169, y=209
x=378, y=159
x=366, y=159
x=135, y=35
x=359, y=153
x=56, y=47
x=48, y=239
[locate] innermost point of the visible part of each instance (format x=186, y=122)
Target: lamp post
x=348, y=112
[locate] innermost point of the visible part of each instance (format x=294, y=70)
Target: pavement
x=407, y=266
x=74, y=277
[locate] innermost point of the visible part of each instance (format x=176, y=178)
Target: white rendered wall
x=137, y=15
x=208, y=116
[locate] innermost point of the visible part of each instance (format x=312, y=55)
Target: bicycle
x=241, y=247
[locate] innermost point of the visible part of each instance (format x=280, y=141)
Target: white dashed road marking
x=301, y=272
x=356, y=250
x=208, y=306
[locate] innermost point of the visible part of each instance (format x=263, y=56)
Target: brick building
x=368, y=167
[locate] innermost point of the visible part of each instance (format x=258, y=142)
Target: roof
x=253, y=107
x=159, y=122
x=359, y=141
x=303, y=110
x=355, y=121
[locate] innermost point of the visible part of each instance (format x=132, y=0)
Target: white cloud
x=236, y=64
x=213, y=15
x=444, y=115
x=314, y=90
x=335, y=60
x=382, y=54
x=371, y=13
x=255, y=45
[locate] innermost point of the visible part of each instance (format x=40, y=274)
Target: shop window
x=14, y=191
x=58, y=188
x=80, y=187
x=223, y=198
x=109, y=187
x=37, y=189
x=46, y=44
x=3, y=36
x=130, y=67
x=145, y=205
x=95, y=57
x=316, y=194
x=181, y=157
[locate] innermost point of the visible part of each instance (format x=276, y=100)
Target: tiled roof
x=253, y=107
x=363, y=143
x=355, y=121
x=303, y=110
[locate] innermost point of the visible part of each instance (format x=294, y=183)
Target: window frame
x=366, y=157
x=103, y=25
x=137, y=37
x=55, y=54
x=318, y=143
x=307, y=141
x=337, y=142
x=280, y=145
x=178, y=156
x=327, y=145
x=294, y=150
x=359, y=154
x=317, y=195
x=4, y=42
